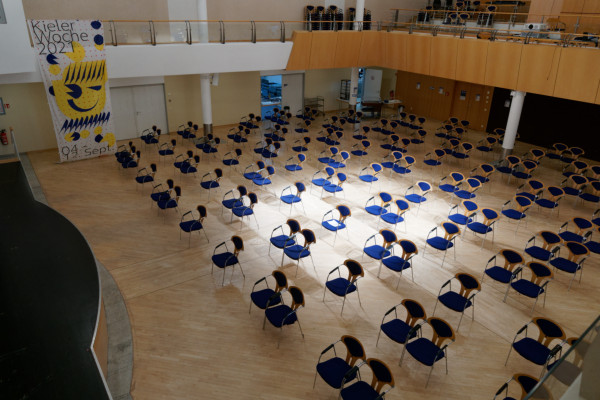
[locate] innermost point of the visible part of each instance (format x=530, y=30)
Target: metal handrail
x=152, y=33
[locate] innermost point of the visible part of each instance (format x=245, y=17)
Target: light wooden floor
x=194, y=338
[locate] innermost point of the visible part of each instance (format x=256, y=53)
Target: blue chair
x=167, y=150
x=537, y=351
x=301, y=145
x=490, y=216
x=280, y=239
x=265, y=176
x=296, y=166
x=519, y=207
x=571, y=154
x=144, y=176
x=172, y=202
x=391, y=146
x=391, y=159
x=503, y=274
x=534, y=154
x=592, y=246
x=245, y=209
x=260, y=297
x=533, y=287
x=237, y=134
x=450, y=145
x=362, y=390
x=230, y=200
x=293, y=198
x=362, y=136
x=191, y=166
x=280, y=314
x=552, y=199
x=252, y=171
x=380, y=251
x=462, y=299
x=161, y=193
x=228, y=258
x=574, y=185
x=418, y=193
x=467, y=189
x=546, y=250
x=232, y=159
x=334, y=369
x=524, y=169
x=508, y=165
x=344, y=286
x=591, y=193
x=298, y=251
x=369, y=174
x=526, y=382
x=573, y=262
x=418, y=136
x=396, y=217
x=334, y=138
x=450, y=183
x=434, y=158
x=131, y=161
x=360, y=149
x=467, y=216
x=429, y=351
x=482, y=173
x=461, y=152
x=205, y=142
x=486, y=145
x=402, y=167
x=384, y=199
x=212, y=146
x=445, y=242
x=271, y=151
x=183, y=159
x=303, y=126
x=322, y=178
x=333, y=224
x=582, y=227
x=328, y=155
x=211, y=180
x=398, y=263
x=341, y=163
x=193, y=224
x=335, y=188
x=398, y=329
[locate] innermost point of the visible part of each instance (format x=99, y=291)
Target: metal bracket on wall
x=152, y=33
x=462, y=32
x=493, y=35
x=252, y=31
x=282, y=29
x=188, y=32
x=113, y=32
x=222, y=31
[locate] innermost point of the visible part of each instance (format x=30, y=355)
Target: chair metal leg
x=343, y=303
x=300, y=326
x=402, y=356
x=429, y=376
x=511, y=347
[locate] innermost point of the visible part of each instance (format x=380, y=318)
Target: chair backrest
x=309, y=237
x=329, y=171
x=582, y=225
x=218, y=173
x=238, y=244
x=355, y=270
x=297, y=297
x=170, y=183
x=294, y=225
x=489, y=216
x=385, y=198
x=153, y=168
x=439, y=153
x=414, y=311
x=253, y=199
x=549, y=330
x=354, y=349
x=512, y=160
x=260, y=164
x=300, y=187
x=381, y=374
x=441, y=331
x=242, y=190
x=280, y=280
x=344, y=212
x=470, y=207
x=468, y=283
x=376, y=168
x=365, y=144
x=408, y=248
x=301, y=158
x=425, y=187
x=522, y=203
x=238, y=152
x=341, y=178
x=333, y=150
x=549, y=239
x=389, y=237
x=270, y=169
x=473, y=184
x=534, y=186
x=511, y=258
x=576, y=251
x=177, y=192
x=450, y=230
x=539, y=272
x=402, y=205
x=202, y=211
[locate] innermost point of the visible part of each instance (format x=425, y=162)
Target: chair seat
x=532, y=350
x=230, y=203
x=446, y=187
x=538, y=253
x=299, y=149
x=340, y=286
x=460, y=156
x=527, y=288
x=455, y=301
x=261, y=181
x=260, y=298
x=565, y=265
x=546, y=203
x=464, y=194
x=251, y=175
x=568, y=236
x=513, y=214
x=331, y=188
x=301, y=130
x=593, y=247
x=320, y=182
x=337, y=164
x=282, y=241
x=499, y=274
x=165, y=152
x=368, y=178
x=359, y=153
x=396, y=263
x=333, y=225
x=325, y=160
x=460, y=219
x=433, y=163
x=290, y=199
x=481, y=179
x=189, y=170
x=504, y=170
x=209, y=184
x=387, y=164
x=190, y=226
x=375, y=210
x=224, y=259
x=401, y=170
x=424, y=351
x=439, y=243
x=164, y=204
x=415, y=198
x=392, y=218
x=242, y=211
x=333, y=370
x=485, y=149
x=129, y=164
x=360, y=390
x=397, y=330
x=277, y=314
x=296, y=252
x=377, y=252
x=293, y=167
x=479, y=227
x=521, y=175
x=158, y=196
x=589, y=197
x=231, y=162
x=144, y=179
x=571, y=191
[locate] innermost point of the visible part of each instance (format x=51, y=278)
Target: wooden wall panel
x=598, y=94
x=471, y=60
x=300, y=55
x=396, y=50
x=539, y=66
x=441, y=103
x=346, y=51
x=372, y=49
x=322, y=50
x=538, y=8
x=418, y=53
x=444, y=50
x=578, y=74
x=502, y=66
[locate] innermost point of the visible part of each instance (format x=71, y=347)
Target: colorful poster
x=73, y=66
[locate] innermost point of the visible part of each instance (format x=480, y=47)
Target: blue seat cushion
x=415, y=198
x=440, y=243
x=293, y=167
x=376, y=251
x=144, y=179
x=513, y=214
x=230, y=203
x=396, y=263
x=290, y=199
x=337, y=164
x=571, y=191
x=546, y=203
x=532, y=350
x=276, y=315
x=224, y=259
x=387, y=164
x=521, y=175
x=281, y=241
x=189, y=170
x=504, y=170
x=446, y=187
x=459, y=219
x=261, y=181
x=331, y=188
x=464, y=194
x=261, y=297
x=594, y=247
x=251, y=175
x=190, y=226
x=569, y=236
x=432, y=163
x=479, y=227
x=424, y=351
x=242, y=211
x=338, y=286
x=320, y=182
x=165, y=152
x=158, y=196
x=589, y=197
x=333, y=225
x=359, y=153
x=375, y=210
x=231, y=161
x=296, y=252
x=209, y=184
x=299, y=149
x=455, y=301
x=325, y=160
x=164, y=204
x=538, y=253
x=397, y=330
x=527, y=288
x=333, y=370
x=368, y=178
x=565, y=265
x=499, y=274
x=392, y=218
x=360, y=390
x=401, y=170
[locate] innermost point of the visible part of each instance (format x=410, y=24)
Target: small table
x=372, y=107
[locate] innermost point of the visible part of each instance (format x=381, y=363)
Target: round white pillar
x=360, y=14
x=206, y=103
x=512, y=125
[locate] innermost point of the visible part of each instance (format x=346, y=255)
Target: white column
x=360, y=13
x=205, y=78
x=514, y=116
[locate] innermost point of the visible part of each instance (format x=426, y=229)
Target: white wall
x=17, y=55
